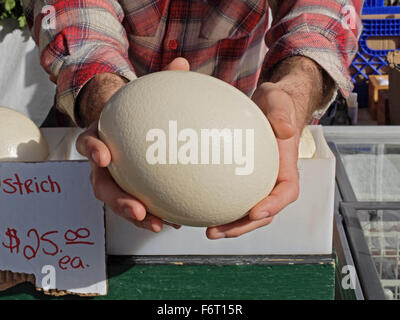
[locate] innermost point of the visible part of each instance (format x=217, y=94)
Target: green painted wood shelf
x=202, y=278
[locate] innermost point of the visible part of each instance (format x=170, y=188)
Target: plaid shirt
x=230, y=40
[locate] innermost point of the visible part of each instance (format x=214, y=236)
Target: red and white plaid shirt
x=228, y=39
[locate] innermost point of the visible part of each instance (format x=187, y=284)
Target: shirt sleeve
x=77, y=40
x=325, y=31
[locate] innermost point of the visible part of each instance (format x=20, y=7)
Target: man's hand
x=293, y=92
x=92, y=101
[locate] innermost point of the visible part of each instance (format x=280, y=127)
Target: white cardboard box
x=303, y=228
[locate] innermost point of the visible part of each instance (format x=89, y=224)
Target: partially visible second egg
x=20, y=138
x=307, y=146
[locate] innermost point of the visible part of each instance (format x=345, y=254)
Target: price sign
x=52, y=226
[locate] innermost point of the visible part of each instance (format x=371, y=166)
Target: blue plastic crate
x=379, y=7
x=378, y=28
x=367, y=57
x=361, y=63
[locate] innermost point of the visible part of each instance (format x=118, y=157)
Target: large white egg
x=20, y=138
x=307, y=146
x=156, y=128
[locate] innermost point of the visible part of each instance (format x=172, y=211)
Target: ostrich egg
x=307, y=146
x=20, y=138
x=193, y=149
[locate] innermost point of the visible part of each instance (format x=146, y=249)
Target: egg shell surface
x=20, y=138
x=192, y=194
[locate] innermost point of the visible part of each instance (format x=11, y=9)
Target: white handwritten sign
x=52, y=226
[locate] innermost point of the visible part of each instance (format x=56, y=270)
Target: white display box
x=303, y=228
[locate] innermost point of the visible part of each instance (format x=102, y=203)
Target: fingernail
x=95, y=156
x=219, y=235
x=156, y=228
x=263, y=215
x=176, y=226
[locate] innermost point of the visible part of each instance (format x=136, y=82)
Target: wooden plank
x=225, y=282
x=199, y=282
x=222, y=260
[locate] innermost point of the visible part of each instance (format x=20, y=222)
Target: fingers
x=176, y=226
x=153, y=223
x=278, y=107
x=283, y=194
x=104, y=187
x=236, y=229
x=122, y=203
x=286, y=190
x=178, y=64
x=106, y=190
x=89, y=145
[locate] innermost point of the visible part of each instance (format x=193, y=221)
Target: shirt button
x=173, y=44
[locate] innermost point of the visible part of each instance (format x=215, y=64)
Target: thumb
x=279, y=109
x=178, y=64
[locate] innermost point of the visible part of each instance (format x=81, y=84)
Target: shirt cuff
x=73, y=76
x=324, y=52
